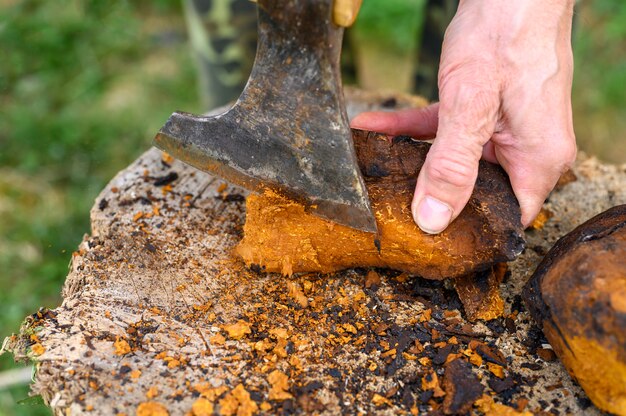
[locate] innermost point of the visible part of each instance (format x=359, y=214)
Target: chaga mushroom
x=280, y=236
x=578, y=295
x=462, y=387
x=480, y=293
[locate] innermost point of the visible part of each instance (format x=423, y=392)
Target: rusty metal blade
x=289, y=130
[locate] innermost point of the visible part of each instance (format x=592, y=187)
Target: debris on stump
x=369, y=340
x=480, y=293
x=462, y=387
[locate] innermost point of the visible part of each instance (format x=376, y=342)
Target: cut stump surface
x=159, y=315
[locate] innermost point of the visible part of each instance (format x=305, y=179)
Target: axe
x=289, y=129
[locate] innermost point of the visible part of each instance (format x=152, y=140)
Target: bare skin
x=505, y=95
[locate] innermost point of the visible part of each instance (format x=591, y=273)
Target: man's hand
x=505, y=95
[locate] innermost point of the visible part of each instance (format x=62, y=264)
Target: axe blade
x=289, y=130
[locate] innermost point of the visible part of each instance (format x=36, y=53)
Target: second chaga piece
x=280, y=236
x=480, y=293
x=578, y=296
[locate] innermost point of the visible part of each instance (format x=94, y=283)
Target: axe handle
x=345, y=12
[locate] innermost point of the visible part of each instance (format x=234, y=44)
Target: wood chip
x=496, y=370
x=121, y=347
x=38, y=349
x=372, y=279
x=279, y=386
x=431, y=382
x=238, y=330
x=295, y=291
x=490, y=408
x=202, y=407
x=151, y=409
x=238, y=402
x=379, y=400
x=462, y=387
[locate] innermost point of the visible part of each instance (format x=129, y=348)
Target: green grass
x=84, y=85
x=599, y=94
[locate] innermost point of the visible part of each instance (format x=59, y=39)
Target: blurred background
x=85, y=84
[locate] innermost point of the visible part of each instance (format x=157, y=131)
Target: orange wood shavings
x=295, y=362
x=237, y=330
x=222, y=187
x=379, y=400
x=496, y=370
x=151, y=409
x=474, y=357
x=135, y=374
x=121, y=346
x=390, y=353
x=350, y=328
x=279, y=386
x=372, y=279
x=152, y=392
x=202, y=407
x=217, y=339
x=425, y=361
x=167, y=188
x=281, y=348
x=38, y=349
x=263, y=345
x=209, y=392
x=295, y=291
x=279, y=333
x=167, y=158
x=238, y=402
x=490, y=408
x=541, y=219
x=431, y=382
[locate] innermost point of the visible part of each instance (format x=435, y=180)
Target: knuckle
x=453, y=169
x=469, y=104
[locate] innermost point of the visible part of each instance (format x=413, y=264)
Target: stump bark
x=158, y=315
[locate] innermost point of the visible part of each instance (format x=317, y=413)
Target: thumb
x=467, y=118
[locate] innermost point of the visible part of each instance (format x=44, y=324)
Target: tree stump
x=159, y=316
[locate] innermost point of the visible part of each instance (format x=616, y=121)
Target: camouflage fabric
x=223, y=37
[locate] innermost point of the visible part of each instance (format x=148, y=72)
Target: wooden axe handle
x=345, y=12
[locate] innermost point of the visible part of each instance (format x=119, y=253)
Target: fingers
x=467, y=117
x=532, y=185
x=535, y=169
x=420, y=123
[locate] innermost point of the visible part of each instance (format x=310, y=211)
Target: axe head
x=289, y=130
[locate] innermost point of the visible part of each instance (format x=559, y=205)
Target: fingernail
x=432, y=215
